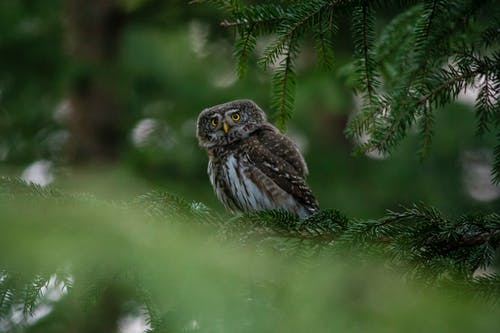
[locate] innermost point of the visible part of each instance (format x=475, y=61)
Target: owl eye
x=213, y=122
x=235, y=116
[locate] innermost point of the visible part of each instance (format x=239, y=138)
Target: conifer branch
x=225, y=5
x=484, y=288
x=386, y=136
x=404, y=103
x=323, y=226
x=449, y=84
x=406, y=55
x=490, y=35
x=397, y=33
x=419, y=241
x=367, y=61
x=485, y=104
x=426, y=130
x=363, y=35
x=323, y=38
x=295, y=234
x=243, y=48
x=32, y=293
x=420, y=212
x=292, y=29
x=423, y=35
x=495, y=172
x=263, y=17
x=7, y=283
x=284, y=89
x=471, y=240
x=455, y=81
x=244, y=23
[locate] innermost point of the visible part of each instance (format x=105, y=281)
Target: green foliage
x=9, y=186
x=174, y=59
x=290, y=24
x=421, y=60
x=367, y=81
x=184, y=267
x=29, y=85
x=188, y=268
x=283, y=87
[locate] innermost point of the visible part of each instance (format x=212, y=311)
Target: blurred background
x=101, y=96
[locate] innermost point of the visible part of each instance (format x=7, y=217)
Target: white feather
x=244, y=190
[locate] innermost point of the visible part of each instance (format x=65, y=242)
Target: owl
x=252, y=166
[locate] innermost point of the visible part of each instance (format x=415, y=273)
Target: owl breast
x=240, y=186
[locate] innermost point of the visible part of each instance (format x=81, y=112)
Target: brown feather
x=252, y=166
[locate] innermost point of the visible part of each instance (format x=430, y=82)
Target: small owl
x=252, y=166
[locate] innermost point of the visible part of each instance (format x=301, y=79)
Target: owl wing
x=282, y=163
x=283, y=147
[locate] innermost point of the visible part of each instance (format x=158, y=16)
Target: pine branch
x=451, y=82
x=490, y=35
x=168, y=206
x=426, y=131
x=486, y=100
x=325, y=225
x=363, y=36
x=397, y=33
x=323, y=36
x=400, y=115
x=451, y=30
x=32, y=293
x=155, y=318
x=484, y=288
x=495, y=172
x=407, y=54
x=469, y=242
x=423, y=31
x=225, y=5
x=264, y=18
x=419, y=241
x=445, y=87
x=272, y=53
x=244, y=47
x=283, y=85
x=427, y=215
x=7, y=283
x=297, y=21
x=364, y=16
x=403, y=102
x=473, y=240
x=17, y=186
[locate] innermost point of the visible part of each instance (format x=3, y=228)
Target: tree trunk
x=93, y=31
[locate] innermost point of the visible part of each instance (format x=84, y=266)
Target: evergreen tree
x=93, y=263
x=420, y=61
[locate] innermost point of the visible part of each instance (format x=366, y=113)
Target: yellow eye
x=213, y=122
x=235, y=116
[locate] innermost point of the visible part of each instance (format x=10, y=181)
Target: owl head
x=226, y=123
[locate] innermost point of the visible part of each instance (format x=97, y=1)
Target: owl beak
x=225, y=127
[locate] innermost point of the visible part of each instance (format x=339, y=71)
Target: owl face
x=226, y=123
